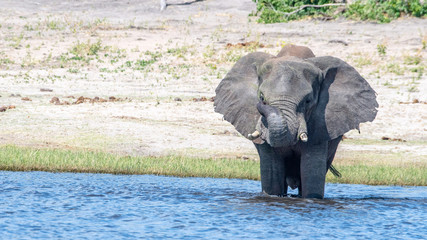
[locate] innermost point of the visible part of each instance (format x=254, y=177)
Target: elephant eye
x=261, y=97
x=308, y=99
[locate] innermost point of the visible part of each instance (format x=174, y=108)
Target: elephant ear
x=237, y=94
x=345, y=100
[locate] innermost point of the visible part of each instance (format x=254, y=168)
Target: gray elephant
x=295, y=107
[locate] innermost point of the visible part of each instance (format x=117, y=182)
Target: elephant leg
x=313, y=169
x=273, y=174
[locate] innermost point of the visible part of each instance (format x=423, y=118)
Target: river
x=41, y=205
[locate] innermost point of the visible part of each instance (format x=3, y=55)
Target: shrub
x=275, y=10
x=382, y=11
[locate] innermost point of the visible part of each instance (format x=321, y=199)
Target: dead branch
x=314, y=6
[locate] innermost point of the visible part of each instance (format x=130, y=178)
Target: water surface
x=102, y=206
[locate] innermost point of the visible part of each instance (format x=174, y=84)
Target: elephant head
x=294, y=98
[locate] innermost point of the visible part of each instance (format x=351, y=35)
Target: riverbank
x=357, y=169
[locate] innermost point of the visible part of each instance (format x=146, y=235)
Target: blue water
x=40, y=205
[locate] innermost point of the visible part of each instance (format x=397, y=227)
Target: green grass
x=14, y=158
x=380, y=168
x=271, y=11
x=380, y=175
x=358, y=168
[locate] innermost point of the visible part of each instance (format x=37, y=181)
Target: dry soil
x=162, y=69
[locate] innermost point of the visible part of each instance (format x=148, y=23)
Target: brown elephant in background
x=295, y=107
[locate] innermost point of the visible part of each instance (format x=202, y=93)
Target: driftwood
x=162, y=5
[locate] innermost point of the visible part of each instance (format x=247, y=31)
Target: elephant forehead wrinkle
x=283, y=99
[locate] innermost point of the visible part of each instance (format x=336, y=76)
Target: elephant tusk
x=254, y=135
x=302, y=131
x=303, y=136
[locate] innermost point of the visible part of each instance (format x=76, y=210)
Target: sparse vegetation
x=419, y=71
x=81, y=50
x=180, y=52
x=73, y=70
x=395, y=68
x=6, y=61
x=412, y=60
x=232, y=55
x=381, y=48
x=413, y=88
x=16, y=41
x=54, y=25
x=143, y=63
x=362, y=61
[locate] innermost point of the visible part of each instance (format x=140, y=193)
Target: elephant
x=295, y=108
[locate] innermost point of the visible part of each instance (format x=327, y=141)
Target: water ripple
x=38, y=205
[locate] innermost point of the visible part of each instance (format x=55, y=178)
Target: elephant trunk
x=278, y=134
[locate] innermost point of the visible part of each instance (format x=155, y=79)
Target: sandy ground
x=163, y=67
